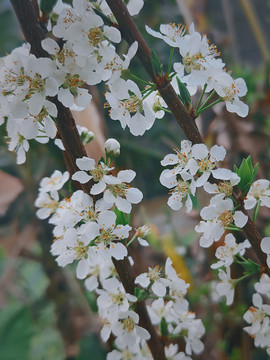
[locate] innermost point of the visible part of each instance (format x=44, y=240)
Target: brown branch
x=131, y=33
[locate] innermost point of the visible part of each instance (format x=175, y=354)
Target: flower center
x=192, y=62
x=81, y=250
x=118, y=298
x=133, y=104
x=154, y=274
x=176, y=31
x=72, y=82
x=105, y=237
x=225, y=188
x=98, y=173
x=230, y=92
x=95, y=36
x=128, y=324
x=114, y=65
x=182, y=188
x=119, y=189
x=205, y=165
x=226, y=218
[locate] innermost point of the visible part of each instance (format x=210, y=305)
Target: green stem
x=172, y=75
x=148, y=93
x=208, y=106
x=131, y=241
x=166, y=110
x=134, y=77
x=170, y=62
x=207, y=100
x=232, y=228
x=256, y=211
x=242, y=277
x=202, y=94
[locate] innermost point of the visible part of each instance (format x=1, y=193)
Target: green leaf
x=140, y=294
x=250, y=266
x=15, y=332
x=247, y=174
x=121, y=218
x=46, y=6
x=156, y=65
x=164, y=327
x=184, y=93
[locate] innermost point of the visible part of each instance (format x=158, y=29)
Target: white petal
x=134, y=195
x=85, y=163
x=265, y=245
x=223, y=174
x=123, y=205
x=126, y=175
x=240, y=219
x=118, y=251
x=199, y=151
x=82, y=269
x=107, y=219
x=81, y=176
x=98, y=188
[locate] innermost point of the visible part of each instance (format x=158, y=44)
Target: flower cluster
x=258, y=192
x=86, y=56
x=200, y=65
x=258, y=316
x=171, y=307
x=192, y=166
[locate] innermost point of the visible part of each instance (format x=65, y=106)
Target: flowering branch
x=131, y=33
x=74, y=149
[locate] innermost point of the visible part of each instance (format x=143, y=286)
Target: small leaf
x=156, y=65
x=163, y=327
x=247, y=174
x=121, y=218
x=140, y=294
x=250, y=266
x=46, y=6
x=184, y=93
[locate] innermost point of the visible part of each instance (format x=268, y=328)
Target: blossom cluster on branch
x=94, y=228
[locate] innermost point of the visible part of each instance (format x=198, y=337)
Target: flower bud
x=85, y=134
x=112, y=148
